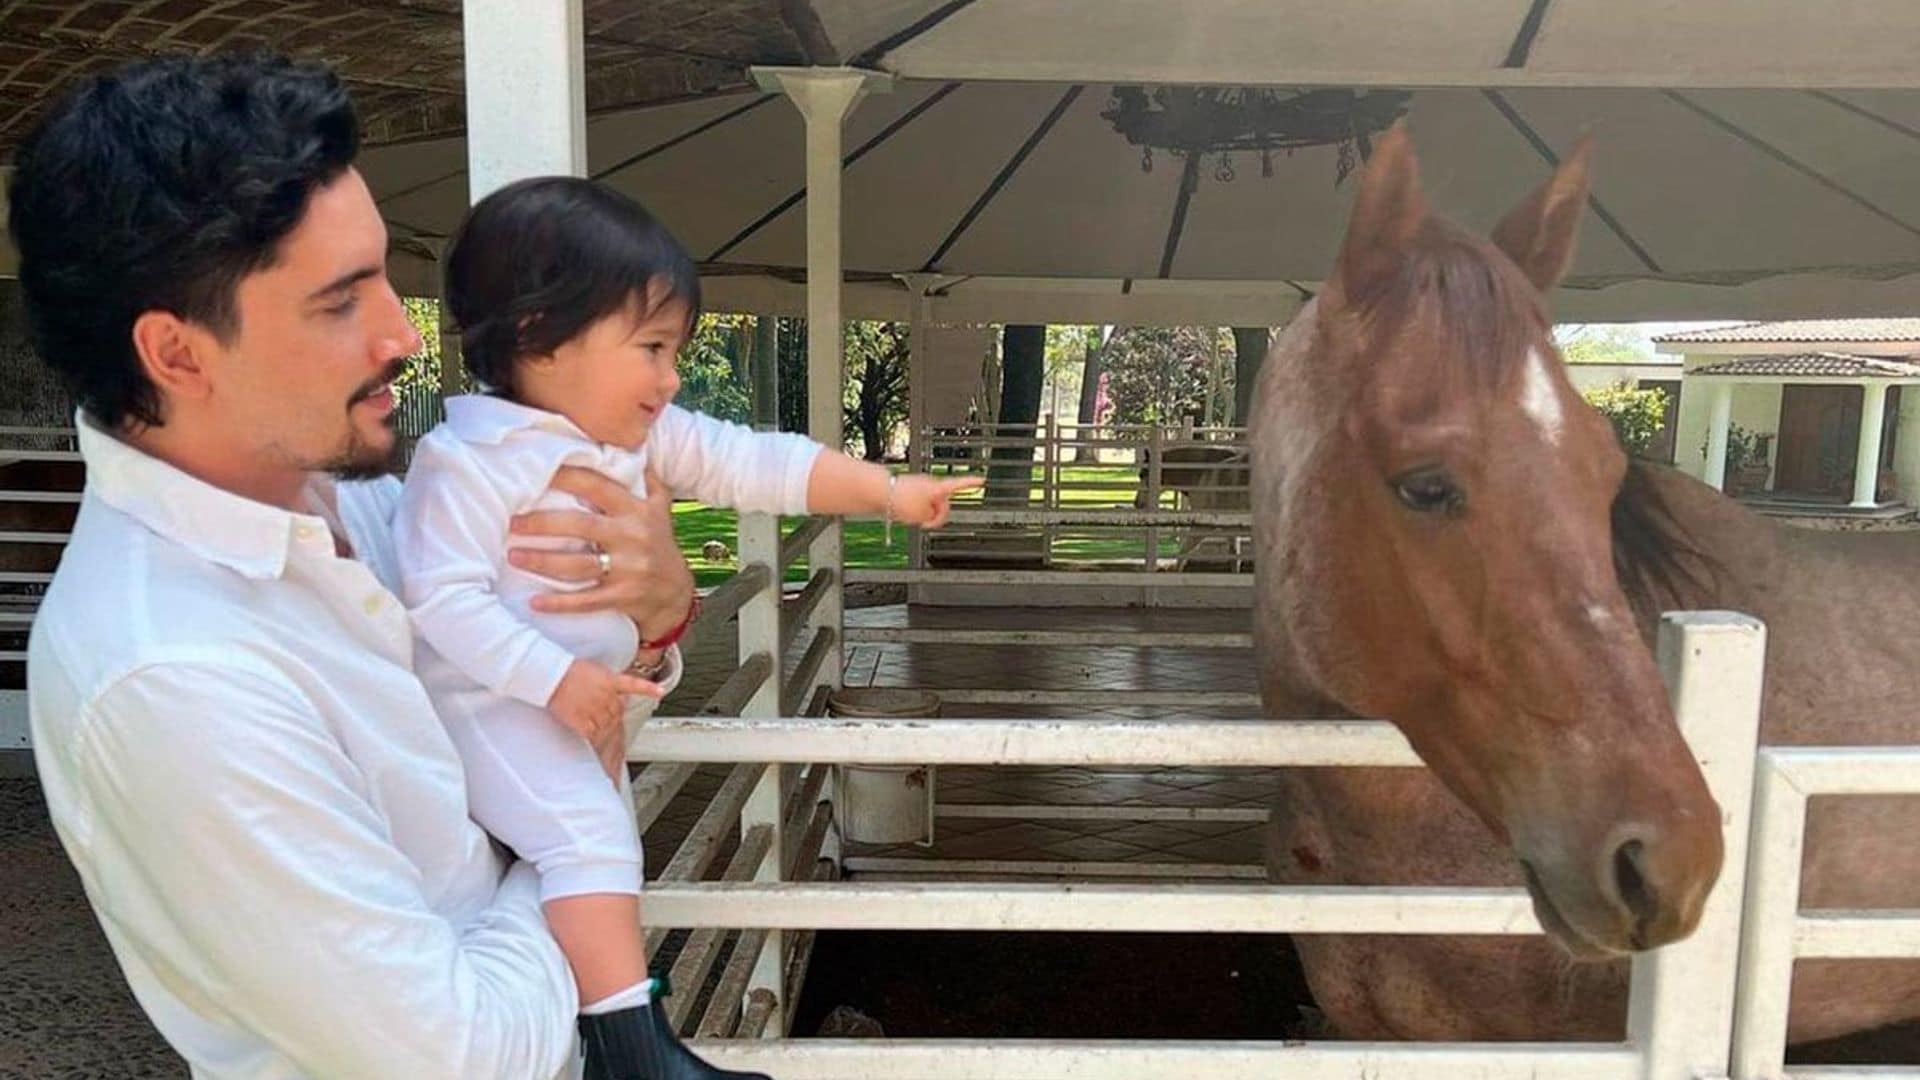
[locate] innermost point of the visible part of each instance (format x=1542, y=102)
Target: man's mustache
x=372, y=386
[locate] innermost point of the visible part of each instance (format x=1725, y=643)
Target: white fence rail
x=34, y=521
x=784, y=808
x=1682, y=1010
x=1776, y=931
x=1143, y=497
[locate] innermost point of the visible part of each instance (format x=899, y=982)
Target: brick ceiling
x=401, y=58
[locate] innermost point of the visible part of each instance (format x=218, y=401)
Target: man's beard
x=360, y=460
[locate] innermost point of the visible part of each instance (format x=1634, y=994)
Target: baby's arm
x=842, y=485
x=725, y=464
x=451, y=528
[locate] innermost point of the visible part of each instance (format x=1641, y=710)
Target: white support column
x=1681, y=1008
x=1717, y=427
x=1866, y=463
x=526, y=91
x=824, y=97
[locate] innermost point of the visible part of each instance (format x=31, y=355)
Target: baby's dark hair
x=540, y=260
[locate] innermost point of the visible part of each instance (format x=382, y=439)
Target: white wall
x=952, y=368
x=1906, y=445
x=1756, y=407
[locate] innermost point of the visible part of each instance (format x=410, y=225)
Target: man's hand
x=647, y=578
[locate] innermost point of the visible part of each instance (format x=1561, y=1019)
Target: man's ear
x=174, y=353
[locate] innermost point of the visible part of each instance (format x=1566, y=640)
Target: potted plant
x=1747, y=465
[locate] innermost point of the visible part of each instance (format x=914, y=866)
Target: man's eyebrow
x=344, y=282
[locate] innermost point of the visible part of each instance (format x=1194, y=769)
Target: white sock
x=631, y=998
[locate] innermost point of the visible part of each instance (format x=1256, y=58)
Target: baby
x=573, y=303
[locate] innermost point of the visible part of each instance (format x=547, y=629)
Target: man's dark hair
x=540, y=260
x=159, y=186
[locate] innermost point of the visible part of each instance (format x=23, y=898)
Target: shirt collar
x=484, y=418
x=252, y=538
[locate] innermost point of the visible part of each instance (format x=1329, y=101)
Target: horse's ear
x=1387, y=213
x=1538, y=235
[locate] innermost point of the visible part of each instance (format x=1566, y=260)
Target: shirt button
x=308, y=532
x=373, y=604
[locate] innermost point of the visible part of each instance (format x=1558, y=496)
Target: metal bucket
x=884, y=804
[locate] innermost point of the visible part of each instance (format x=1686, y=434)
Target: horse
x=1203, y=478
x=1448, y=537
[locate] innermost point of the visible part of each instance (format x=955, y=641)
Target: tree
x=1636, y=415
x=1601, y=343
x=1250, y=344
x=423, y=367
x=792, y=375
x=1092, y=376
x=1161, y=374
x=1067, y=349
x=1022, y=372
x=876, y=397
x=712, y=370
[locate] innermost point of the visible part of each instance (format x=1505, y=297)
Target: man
x=267, y=815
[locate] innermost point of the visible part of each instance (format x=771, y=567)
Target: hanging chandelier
x=1197, y=121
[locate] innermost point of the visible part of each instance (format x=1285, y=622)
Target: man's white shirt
x=263, y=807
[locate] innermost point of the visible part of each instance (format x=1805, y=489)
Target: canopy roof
x=1725, y=185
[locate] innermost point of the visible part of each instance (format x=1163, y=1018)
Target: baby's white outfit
x=491, y=662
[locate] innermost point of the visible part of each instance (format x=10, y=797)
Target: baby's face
x=615, y=377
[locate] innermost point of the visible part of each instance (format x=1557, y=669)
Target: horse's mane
x=1660, y=565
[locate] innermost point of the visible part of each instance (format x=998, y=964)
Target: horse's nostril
x=1635, y=891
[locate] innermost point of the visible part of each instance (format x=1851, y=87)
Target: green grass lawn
x=696, y=523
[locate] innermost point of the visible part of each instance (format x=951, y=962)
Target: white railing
x=32, y=530
x=1075, y=498
x=1681, y=1016
x=1776, y=931
x=783, y=809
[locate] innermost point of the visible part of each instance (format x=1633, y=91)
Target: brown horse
x=1448, y=537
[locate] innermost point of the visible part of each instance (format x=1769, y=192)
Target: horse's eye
x=1429, y=491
